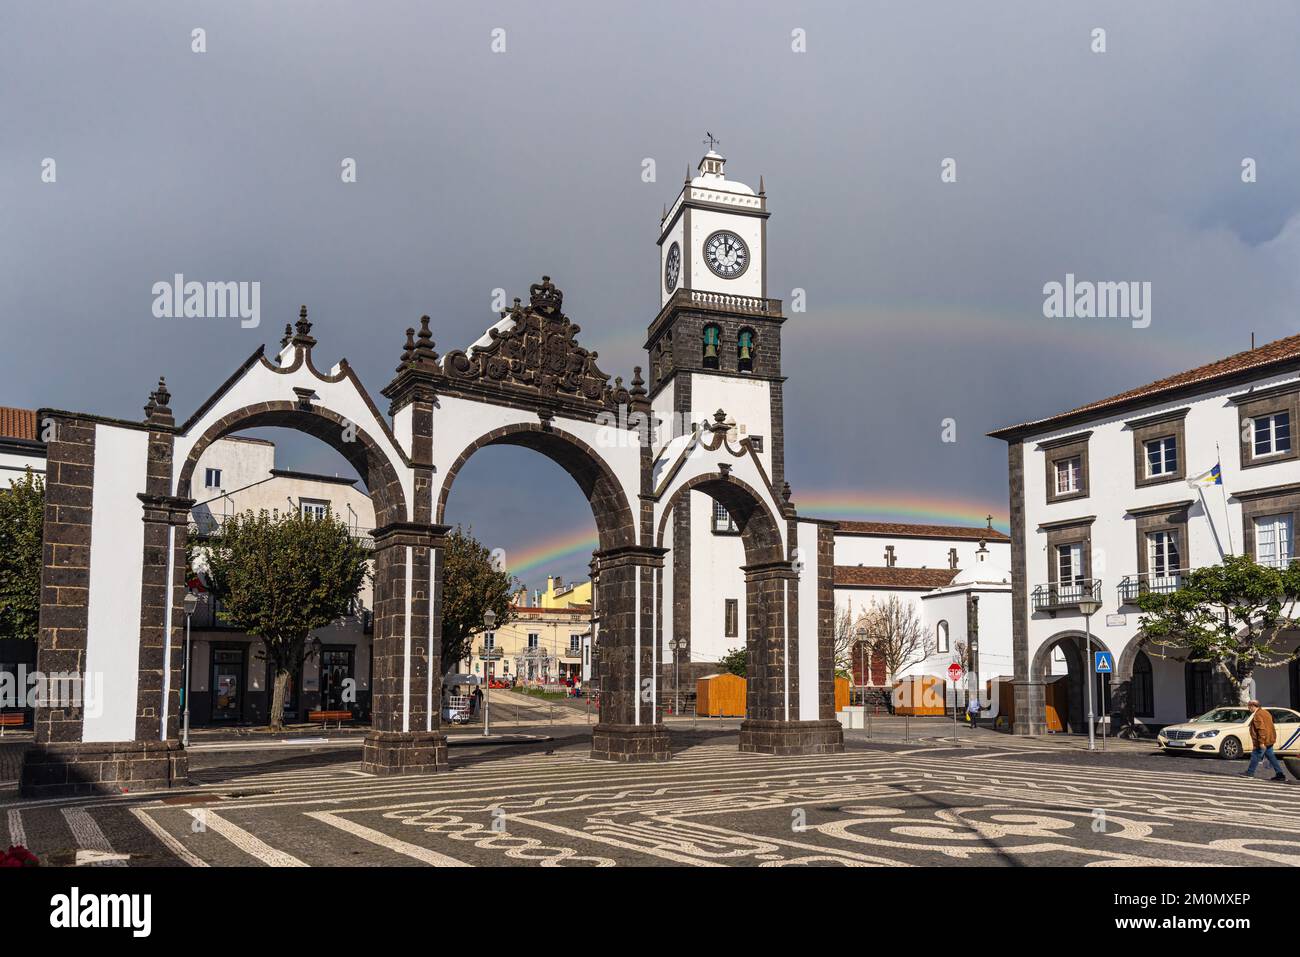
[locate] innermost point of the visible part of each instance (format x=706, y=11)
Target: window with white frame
x=575, y=642
x=1272, y=434
x=941, y=642
x=1273, y=540
x=212, y=478
x=1069, y=563
x=1162, y=456
x=1069, y=475
x=313, y=508
x=489, y=640
x=534, y=639
x=1162, y=554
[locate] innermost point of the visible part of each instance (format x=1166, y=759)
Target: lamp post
x=191, y=602
x=676, y=645
x=489, y=619
x=1088, y=607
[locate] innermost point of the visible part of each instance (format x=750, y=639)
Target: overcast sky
x=479, y=170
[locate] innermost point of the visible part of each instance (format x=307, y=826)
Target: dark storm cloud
x=478, y=171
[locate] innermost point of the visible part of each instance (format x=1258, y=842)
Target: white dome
x=982, y=573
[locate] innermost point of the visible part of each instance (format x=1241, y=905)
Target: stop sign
x=954, y=672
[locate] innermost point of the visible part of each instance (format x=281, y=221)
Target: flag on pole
x=1212, y=476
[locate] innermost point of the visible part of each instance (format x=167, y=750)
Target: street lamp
x=1088, y=607
x=676, y=645
x=191, y=602
x=489, y=619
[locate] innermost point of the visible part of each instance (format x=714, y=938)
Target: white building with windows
x=1103, y=506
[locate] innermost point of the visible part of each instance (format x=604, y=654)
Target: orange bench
x=15, y=719
x=325, y=717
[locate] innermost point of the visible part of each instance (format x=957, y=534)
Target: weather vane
x=711, y=141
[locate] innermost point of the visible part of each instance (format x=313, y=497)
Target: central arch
x=615, y=523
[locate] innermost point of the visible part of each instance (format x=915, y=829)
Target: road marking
x=169, y=841
x=91, y=840
x=245, y=841
x=17, y=835
x=422, y=854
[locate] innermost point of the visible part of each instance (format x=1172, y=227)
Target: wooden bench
x=15, y=719
x=325, y=717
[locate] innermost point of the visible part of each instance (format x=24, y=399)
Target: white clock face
x=726, y=254
x=672, y=267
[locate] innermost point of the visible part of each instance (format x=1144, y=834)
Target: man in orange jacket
x=1263, y=737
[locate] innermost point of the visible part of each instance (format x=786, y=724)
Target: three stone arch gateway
x=118, y=508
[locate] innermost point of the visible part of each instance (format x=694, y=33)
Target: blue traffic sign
x=1105, y=663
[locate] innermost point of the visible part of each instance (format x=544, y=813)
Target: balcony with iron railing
x=1064, y=596
x=1131, y=587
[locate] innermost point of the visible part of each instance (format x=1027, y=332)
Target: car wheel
x=1231, y=749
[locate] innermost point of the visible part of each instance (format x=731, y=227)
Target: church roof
x=896, y=577
x=907, y=530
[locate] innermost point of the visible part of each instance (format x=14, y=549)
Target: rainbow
x=563, y=547
x=570, y=546
x=900, y=506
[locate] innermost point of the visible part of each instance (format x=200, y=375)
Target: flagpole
x=1213, y=530
x=1227, y=517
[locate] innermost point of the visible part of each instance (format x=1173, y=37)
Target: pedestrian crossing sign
x=1105, y=663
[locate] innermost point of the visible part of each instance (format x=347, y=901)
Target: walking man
x=1262, y=737
x=973, y=710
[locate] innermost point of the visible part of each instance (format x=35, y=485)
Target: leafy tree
x=471, y=584
x=22, y=520
x=1231, y=615
x=735, y=661
x=280, y=576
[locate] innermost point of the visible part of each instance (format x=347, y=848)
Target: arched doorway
x=630, y=726
x=1066, y=695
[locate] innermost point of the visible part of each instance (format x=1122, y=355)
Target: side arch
x=758, y=527
x=380, y=475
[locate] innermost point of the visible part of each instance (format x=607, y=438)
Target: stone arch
x=1072, y=642
x=758, y=526
x=615, y=523
x=364, y=454
x=771, y=619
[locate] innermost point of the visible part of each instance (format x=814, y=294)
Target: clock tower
x=715, y=345
x=716, y=342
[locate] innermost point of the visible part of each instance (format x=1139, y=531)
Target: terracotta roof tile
x=17, y=423
x=903, y=529
x=1281, y=350
x=879, y=576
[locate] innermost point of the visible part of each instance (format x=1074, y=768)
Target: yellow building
x=545, y=641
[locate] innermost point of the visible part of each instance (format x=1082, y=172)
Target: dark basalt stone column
x=631, y=723
x=771, y=724
x=406, y=735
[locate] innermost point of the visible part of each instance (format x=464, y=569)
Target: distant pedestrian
x=1262, y=736
x=973, y=710
x=478, y=700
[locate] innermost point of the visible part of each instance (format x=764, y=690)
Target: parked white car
x=1225, y=732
